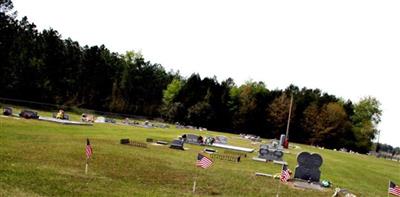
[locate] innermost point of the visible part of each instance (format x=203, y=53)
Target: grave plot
x=233, y=158
x=133, y=143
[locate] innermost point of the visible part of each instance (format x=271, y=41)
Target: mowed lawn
x=48, y=159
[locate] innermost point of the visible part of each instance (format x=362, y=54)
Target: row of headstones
x=176, y=144
x=196, y=139
x=307, y=164
x=271, y=152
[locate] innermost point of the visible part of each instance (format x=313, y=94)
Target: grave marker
x=177, y=144
x=308, y=166
x=233, y=158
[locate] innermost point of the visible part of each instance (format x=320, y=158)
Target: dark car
x=28, y=114
x=7, y=111
x=110, y=120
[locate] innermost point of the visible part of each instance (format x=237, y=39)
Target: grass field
x=48, y=159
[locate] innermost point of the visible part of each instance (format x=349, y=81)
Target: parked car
x=88, y=118
x=7, y=111
x=61, y=115
x=28, y=114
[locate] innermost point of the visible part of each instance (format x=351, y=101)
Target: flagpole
x=288, y=122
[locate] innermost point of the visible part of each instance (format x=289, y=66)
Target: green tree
x=367, y=115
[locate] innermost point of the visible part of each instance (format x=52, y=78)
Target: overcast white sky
x=347, y=48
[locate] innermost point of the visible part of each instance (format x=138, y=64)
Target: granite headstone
x=308, y=166
x=192, y=139
x=271, y=152
x=221, y=139
x=177, y=144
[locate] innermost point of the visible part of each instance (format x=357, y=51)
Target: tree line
x=41, y=66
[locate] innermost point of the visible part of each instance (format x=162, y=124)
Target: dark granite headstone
x=125, y=141
x=308, y=166
x=177, y=144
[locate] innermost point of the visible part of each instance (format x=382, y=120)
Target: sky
x=348, y=48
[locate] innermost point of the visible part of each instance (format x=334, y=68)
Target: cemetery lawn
x=48, y=159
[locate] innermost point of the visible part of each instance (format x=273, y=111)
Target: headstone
x=177, y=144
x=209, y=150
x=282, y=140
x=192, y=139
x=221, y=139
x=271, y=152
x=308, y=166
x=125, y=141
x=7, y=111
x=149, y=140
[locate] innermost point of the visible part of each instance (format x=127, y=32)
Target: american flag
x=89, y=150
x=394, y=189
x=285, y=174
x=203, y=161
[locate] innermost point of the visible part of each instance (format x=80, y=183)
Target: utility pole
x=290, y=113
x=288, y=122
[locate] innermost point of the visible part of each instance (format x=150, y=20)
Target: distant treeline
x=41, y=66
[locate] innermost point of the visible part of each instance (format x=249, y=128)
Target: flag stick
x=279, y=188
x=194, y=182
x=87, y=165
x=279, y=184
x=388, y=189
x=194, y=185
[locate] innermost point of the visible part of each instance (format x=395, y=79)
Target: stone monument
x=308, y=166
x=177, y=144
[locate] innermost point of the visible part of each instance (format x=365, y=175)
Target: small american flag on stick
x=285, y=176
x=89, y=150
x=203, y=161
x=394, y=189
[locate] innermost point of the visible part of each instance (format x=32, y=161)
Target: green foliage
x=171, y=92
x=366, y=116
x=277, y=114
